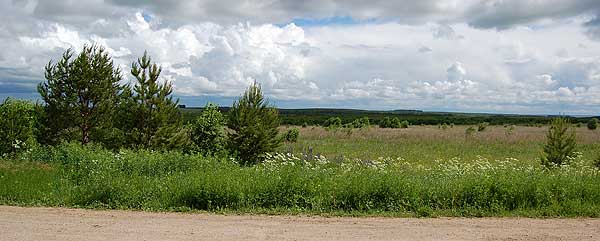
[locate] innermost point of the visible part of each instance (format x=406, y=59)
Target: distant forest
x=317, y=116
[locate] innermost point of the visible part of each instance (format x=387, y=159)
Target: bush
x=560, y=143
x=388, y=122
x=592, y=124
x=253, y=125
x=208, y=131
x=360, y=123
x=482, y=126
x=470, y=131
x=404, y=124
x=334, y=122
x=18, y=125
x=292, y=135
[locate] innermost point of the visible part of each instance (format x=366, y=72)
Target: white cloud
x=453, y=62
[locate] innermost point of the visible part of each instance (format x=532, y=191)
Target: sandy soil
x=17, y=223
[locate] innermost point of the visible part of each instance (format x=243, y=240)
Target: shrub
x=292, y=135
x=360, y=123
x=470, y=131
x=208, y=131
x=482, y=126
x=560, y=143
x=18, y=125
x=404, y=124
x=386, y=122
x=333, y=122
x=592, y=124
x=304, y=125
x=253, y=125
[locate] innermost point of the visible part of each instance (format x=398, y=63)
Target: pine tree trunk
x=85, y=134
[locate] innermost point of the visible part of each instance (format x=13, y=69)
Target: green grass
x=75, y=176
x=424, y=144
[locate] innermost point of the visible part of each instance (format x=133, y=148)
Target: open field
x=75, y=224
x=424, y=144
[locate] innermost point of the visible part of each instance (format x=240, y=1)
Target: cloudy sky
x=500, y=56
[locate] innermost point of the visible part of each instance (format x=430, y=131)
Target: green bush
x=333, y=122
x=208, y=131
x=388, y=122
x=560, y=143
x=592, y=124
x=482, y=126
x=404, y=124
x=292, y=135
x=18, y=125
x=360, y=123
x=253, y=125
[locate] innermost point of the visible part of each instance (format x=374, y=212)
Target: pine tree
x=158, y=122
x=253, y=125
x=79, y=94
x=560, y=143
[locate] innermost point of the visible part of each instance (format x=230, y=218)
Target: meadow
x=418, y=171
x=425, y=144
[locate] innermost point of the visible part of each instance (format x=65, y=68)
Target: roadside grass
x=90, y=177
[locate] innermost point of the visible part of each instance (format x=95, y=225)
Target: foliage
x=404, y=124
x=208, y=131
x=333, y=122
x=292, y=135
x=157, y=122
x=360, y=123
x=395, y=122
x=482, y=126
x=18, y=125
x=80, y=94
x=470, y=131
x=88, y=176
x=560, y=143
x=253, y=124
x=592, y=124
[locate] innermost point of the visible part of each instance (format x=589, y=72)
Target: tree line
x=85, y=100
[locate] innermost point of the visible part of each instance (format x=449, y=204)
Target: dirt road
x=17, y=223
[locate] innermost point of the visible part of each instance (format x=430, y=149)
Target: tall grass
x=423, y=144
x=72, y=175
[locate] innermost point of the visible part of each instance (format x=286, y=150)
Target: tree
x=157, y=120
x=560, y=143
x=592, y=124
x=80, y=93
x=18, y=125
x=208, y=131
x=253, y=125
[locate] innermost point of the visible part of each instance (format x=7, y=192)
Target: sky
x=493, y=56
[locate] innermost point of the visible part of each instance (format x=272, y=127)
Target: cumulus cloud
x=499, y=56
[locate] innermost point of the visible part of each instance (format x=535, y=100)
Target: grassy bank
x=71, y=175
